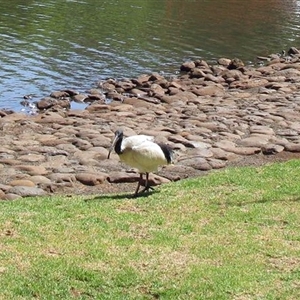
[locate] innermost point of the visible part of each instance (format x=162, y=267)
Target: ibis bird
x=142, y=153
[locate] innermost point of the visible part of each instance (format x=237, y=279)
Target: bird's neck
x=118, y=146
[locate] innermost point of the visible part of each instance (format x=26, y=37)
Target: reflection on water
x=51, y=45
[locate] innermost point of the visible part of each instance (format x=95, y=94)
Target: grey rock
x=292, y=147
x=122, y=177
x=197, y=163
x=25, y=191
x=11, y=197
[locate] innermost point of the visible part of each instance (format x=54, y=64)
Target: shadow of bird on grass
x=109, y=197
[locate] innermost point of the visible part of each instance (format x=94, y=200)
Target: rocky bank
x=213, y=116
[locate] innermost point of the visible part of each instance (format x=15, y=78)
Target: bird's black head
x=118, y=134
x=116, y=144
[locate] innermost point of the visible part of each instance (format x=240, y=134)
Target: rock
x=217, y=163
x=236, y=63
x=25, y=191
x=32, y=170
x=62, y=178
x=249, y=83
x=101, y=141
x=272, y=149
x=59, y=94
x=232, y=75
x=293, y=51
x=32, y=158
x=10, y=162
x=4, y=187
x=140, y=80
x=216, y=79
x=125, y=85
x=89, y=158
x=209, y=91
x=22, y=182
x=181, y=140
x=156, y=90
x=80, y=98
x=46, y=103
x=224, y=61
x=90, y=178
x=122, y=177
x=288, y=73
x=54, y=119
x=38, y=179
x=71, y=92
x=197, y=163
x=155, y=180
x=11, y=197
x=292, y=147
x=178, y=171
x=173, y=91
x=255, y=140
x=221, y=154
x=187, y=66
x=246, y=150
x=100, y=153
x=265, y=130
x=136, y=103
x=2, y=195
x=3, y=113
x=201, y=152
x=81, y=144
x=98, y=107
x=138, y=93
x=197, y=73
x=156, y=77
x=232, y=147
x=63, y=149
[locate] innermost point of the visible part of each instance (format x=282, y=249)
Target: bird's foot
x=145, y=189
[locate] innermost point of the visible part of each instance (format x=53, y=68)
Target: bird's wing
x=149, y=155
x=135, y=141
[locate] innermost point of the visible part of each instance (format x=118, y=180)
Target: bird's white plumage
x=140, y=152
x=135, y=140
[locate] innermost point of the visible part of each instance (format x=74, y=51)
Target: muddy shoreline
x=213, y=116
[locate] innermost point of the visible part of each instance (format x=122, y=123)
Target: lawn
x=233, y=234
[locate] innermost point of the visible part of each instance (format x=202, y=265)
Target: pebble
x=211, y=115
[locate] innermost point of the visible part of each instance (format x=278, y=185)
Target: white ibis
x=142, y=153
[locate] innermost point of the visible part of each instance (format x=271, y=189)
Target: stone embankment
x=212, y=115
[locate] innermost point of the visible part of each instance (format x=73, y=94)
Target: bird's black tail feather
x=168, y=152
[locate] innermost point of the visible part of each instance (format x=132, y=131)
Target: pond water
x=49, y=45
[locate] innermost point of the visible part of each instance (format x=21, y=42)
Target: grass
x=234, y=234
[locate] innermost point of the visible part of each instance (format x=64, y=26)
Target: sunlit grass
x=234, y=234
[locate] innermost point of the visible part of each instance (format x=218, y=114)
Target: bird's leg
x=147, y=186
x=139, y=184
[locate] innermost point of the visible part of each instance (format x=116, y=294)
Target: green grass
x=234, y=234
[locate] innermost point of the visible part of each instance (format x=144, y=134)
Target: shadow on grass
x=288, y=199
x=108, y=197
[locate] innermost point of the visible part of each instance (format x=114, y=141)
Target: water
x=49, y=45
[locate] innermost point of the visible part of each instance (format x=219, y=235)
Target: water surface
x=49, y=45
